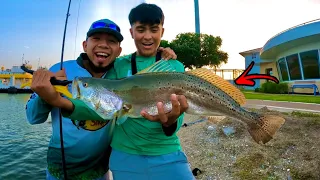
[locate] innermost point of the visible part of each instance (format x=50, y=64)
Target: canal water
x=23, y=147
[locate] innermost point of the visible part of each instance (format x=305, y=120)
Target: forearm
x=174, y=127
x=37, y=110
x=78, y=110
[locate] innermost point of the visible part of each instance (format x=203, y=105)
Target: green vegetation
x=197, y=50
x=282, y=97
x=273, y=88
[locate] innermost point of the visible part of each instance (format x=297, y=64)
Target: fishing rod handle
x=53, y=80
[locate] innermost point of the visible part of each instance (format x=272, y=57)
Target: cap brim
x=106, y=30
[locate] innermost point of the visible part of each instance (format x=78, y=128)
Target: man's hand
x=167, y=53
x=42, y=86
x=179, y=105
x=61, y=75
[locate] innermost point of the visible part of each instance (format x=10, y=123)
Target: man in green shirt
x=145, y=148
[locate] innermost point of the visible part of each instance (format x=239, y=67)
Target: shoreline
x=13, y=90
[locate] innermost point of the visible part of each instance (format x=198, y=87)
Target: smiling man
x=148, y=148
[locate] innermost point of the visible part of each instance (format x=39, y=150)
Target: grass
x=282, y=97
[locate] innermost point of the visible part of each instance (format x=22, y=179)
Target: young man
x=146, y=148
x=86, y=149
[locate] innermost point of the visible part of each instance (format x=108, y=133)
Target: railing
x=308, y=22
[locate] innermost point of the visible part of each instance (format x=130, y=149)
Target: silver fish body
x=129, y=96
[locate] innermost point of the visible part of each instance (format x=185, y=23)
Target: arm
x=78, y=110
x=37, y=110
x=172, y=129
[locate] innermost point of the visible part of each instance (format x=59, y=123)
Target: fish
x=207, y=94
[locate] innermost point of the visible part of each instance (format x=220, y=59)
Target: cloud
x=27, y=47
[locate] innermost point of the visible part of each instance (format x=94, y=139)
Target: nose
x=147, y=35
x=103, y=44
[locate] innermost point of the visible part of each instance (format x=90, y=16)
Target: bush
x=271, y=87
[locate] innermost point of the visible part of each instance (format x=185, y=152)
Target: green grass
x=283, y=97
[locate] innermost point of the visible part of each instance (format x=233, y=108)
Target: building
x=293, y=56
x=14, y=77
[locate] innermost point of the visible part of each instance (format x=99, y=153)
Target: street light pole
x=196, y=15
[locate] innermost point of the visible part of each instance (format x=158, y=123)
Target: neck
x=95, y=72
x=144, y=55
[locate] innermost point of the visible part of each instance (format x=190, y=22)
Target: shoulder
x=177, y=65
x=122, y=64
x=123, y=59
x=66, y=64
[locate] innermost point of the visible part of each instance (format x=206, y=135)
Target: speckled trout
x=207, y=95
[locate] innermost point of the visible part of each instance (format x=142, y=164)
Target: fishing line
x=60, y=115
x=75, y=39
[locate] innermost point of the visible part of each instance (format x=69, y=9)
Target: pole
x=61, y=65
x=196, y=15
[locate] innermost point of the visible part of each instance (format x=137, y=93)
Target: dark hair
x=146, y=14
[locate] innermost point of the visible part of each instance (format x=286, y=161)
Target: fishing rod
x=60, y=116
x=54, y=81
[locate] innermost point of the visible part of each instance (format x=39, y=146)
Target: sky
x=33, y=29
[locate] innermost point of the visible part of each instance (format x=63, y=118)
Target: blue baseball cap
x=106, y=26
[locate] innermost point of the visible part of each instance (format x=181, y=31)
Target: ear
x=84, y=46
x=131, y=32
x=162, y=32
x=119, y=51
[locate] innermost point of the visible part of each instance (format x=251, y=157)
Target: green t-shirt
x=136, y=135
x=139, y=135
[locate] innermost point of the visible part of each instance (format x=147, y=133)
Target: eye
x=85, y=85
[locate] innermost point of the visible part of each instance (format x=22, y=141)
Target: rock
x=228, y=130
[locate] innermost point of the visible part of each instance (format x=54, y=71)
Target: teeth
x=147, y=44
x=103, y=54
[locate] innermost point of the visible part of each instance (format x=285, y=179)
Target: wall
x=264, y=66
x=297, y=49
x=255, y=69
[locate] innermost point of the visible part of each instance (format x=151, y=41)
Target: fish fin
x=219, y=82
x=159, y=66
x=61, y=89
x=27, y=84
x=121, y=119
x=266, y=128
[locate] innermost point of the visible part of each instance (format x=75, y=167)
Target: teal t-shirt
x=136, y=135
x=139, y=135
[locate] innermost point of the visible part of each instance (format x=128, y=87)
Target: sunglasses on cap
x=105, y=25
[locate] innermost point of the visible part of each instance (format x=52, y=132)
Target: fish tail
x=266, y=127
x=61, y=89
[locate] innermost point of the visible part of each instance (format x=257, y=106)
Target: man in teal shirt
x=145, y=148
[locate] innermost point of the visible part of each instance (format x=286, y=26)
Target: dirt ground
x=294, y=153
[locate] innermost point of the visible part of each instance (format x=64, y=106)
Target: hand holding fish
x=179, y=106
x=42, y=86
x=167, y=53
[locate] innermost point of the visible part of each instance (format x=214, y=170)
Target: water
x=23, y=146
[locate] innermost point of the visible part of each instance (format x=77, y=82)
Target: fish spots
x=97, y=105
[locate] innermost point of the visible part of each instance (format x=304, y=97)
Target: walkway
x=283, y=106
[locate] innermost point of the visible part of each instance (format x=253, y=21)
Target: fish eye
x=85, y=85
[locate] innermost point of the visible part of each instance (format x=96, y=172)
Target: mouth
x=75, y=89
x=101, y=56
x=147, y=45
